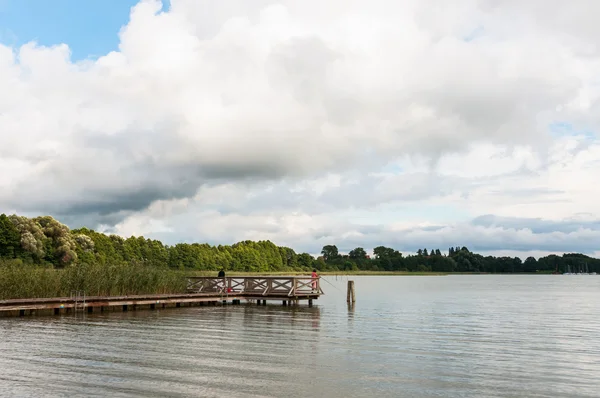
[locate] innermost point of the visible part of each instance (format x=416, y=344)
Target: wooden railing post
x=269, y=286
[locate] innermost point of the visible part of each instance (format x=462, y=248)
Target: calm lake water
x=446, y=336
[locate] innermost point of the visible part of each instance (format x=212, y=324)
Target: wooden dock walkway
x=289, y=290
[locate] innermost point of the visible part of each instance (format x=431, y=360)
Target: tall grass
x=18, y=280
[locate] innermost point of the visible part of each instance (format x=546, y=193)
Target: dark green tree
x=358, y=254
x=10, y=238
x=330, y=253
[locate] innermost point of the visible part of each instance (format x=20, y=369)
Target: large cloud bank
x=412, y=124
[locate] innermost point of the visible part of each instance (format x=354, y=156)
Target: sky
x=410, y=124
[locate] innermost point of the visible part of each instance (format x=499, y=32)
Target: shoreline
x=361, y=273
x=323, y=273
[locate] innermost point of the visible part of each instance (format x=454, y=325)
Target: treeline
x=455, y=259
x=45, y=241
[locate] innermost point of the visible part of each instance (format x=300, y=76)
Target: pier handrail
x=304, y=285
x=290, y=286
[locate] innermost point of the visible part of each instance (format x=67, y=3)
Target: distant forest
x=45, y=241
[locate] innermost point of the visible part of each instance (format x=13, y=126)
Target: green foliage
x=10, y=238
x=33, y=240
x=330, y=253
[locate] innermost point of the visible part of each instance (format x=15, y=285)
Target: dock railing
x=290, y=286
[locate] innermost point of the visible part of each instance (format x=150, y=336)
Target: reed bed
x=18, y=280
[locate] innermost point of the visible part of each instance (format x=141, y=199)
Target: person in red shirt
x=315, y=277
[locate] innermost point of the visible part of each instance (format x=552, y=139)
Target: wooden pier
x=289, y=290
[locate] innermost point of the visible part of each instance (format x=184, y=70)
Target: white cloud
x=234, y=120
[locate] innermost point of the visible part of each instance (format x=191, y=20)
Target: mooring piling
x=350, y=294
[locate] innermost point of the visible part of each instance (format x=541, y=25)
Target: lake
x=407, y=336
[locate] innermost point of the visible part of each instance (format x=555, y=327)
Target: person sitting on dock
x=315, y=277
x=221, y=284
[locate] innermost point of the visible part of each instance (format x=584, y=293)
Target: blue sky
x=89, y=27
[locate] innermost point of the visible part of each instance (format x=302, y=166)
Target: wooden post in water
x=350, y=296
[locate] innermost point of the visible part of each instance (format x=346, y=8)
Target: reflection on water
x=458, y=336
x=351, y=307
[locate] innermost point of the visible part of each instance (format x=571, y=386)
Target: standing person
x=314, y=276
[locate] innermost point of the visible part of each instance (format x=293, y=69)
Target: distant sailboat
x=568, y=270
x=579, y=270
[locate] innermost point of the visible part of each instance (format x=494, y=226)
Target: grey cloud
x=90, y=219
x=111, y=176
x=300, y=66
x=536, y=225
x=359, y=190
x=562, y=238
x=537, y=195
x=355, y=191
x=122, y=201
x=138, y=186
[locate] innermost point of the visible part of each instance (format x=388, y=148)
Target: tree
x=10, y=239
x=287, y=255
x=530, y=264
x=358, y=254
x=330, y=252
x=60, y=246
x=305, y=260
x=32, y=236
x=384, y=252
x=442, y=264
